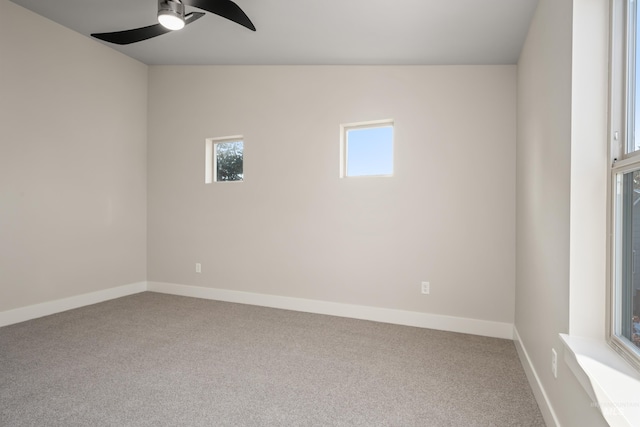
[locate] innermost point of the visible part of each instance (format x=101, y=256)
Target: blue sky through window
x=370, y=151
x=636, y=142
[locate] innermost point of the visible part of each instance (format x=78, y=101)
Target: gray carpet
x=160, y=360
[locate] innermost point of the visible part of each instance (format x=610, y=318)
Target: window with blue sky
x=368, y=149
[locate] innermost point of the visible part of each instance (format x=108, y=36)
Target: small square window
x=224, y=159
x=367, y=149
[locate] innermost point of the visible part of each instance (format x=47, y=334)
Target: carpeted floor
x=160, y=360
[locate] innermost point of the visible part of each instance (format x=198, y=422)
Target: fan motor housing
x=168, y=7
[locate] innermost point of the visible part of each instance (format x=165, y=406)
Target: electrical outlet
x=425, y=288
x=198, y=267
x=554, y=363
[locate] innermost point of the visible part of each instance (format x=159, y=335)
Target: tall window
x=625, y=179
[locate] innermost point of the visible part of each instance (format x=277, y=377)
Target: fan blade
x=225, y=8
x=144, y=33
x=132, y=36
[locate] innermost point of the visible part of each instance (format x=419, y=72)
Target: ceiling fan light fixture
x=171, y=14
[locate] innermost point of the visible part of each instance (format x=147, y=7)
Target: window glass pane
x=229, y=159
x=370, y=151
x=628, y=300
x=634, y=85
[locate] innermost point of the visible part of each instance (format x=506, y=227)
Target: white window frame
x=210, y=158
x=622, y=161
x=344, y=128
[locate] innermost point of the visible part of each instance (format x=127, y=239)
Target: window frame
x=345, y=128
x=211, y=161
x=623, y=160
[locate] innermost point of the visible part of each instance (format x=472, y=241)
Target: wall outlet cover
x=425, y=288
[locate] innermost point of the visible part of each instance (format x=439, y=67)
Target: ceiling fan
x=171, y=17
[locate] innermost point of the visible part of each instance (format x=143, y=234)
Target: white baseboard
x=385, y=315
x=22, y=314
x=376, y=314
x=544, y=403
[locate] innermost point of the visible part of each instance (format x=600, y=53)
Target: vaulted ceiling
x=433, y=32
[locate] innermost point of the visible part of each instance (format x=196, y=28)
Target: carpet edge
x=385, y=315
x=22, y=314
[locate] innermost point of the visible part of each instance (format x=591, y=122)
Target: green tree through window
x=229, y=160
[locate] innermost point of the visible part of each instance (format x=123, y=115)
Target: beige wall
x=72, y=163
x=555, y=216
x=73, y=182
x=294, y=228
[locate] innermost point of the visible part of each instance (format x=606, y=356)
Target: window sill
x=611, y=383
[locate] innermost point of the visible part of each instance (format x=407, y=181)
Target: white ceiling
x=431, y=32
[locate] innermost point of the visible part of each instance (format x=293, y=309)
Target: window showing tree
x=229, y=161
x=224, y=159
x=629, y=269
